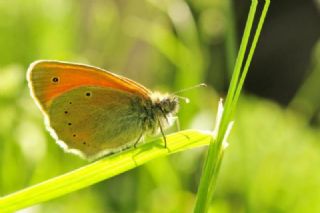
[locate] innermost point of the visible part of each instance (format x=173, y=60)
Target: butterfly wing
x=94, y=121
x=49, y=79
x=88, y=110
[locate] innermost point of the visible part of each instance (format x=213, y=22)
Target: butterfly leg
x=163, y=135
x=137, y=141
x=177, y=123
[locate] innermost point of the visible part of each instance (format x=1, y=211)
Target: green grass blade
x=240, y=57
x=251, y=52
x=216, y=150
x=103, y=169
x=226, y=117
x=211, y=162
x=242, y=79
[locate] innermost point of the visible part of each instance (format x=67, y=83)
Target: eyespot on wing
x=49, y=79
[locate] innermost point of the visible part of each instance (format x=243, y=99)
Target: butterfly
x=92, y=112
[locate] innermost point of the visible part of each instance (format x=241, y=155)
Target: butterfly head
x=166, y=104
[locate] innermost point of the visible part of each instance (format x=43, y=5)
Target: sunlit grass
x=103, y=169
x=273, y=153
x=216, y=150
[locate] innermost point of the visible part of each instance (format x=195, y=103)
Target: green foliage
x=103, y=169
x=216, y=150
x=271, y=164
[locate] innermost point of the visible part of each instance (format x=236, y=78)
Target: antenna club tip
x=203, y=85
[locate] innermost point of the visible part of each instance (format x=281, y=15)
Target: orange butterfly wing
x=49, y=79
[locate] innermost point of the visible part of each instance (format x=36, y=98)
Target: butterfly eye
x=55, y=80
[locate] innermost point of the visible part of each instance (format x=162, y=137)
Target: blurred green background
x=272, y=163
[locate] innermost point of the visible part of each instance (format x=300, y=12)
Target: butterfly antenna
x=189, y=88
x=187, y=100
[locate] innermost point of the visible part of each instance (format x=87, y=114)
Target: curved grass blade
x=103, y=169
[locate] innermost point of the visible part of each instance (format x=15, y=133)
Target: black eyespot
x=84, y=143
x=74, y=135
x=69, y=124
x=65, y=112
x=70, y=102
x=55, y=79
x=88, y=94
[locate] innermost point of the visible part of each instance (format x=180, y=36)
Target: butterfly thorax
x=159, y=110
